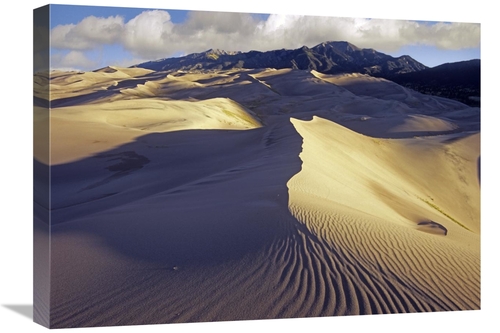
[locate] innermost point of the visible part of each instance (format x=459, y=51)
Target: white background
x=16, y=164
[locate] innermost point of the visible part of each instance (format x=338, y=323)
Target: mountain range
x=327, y=58
x=459, y=81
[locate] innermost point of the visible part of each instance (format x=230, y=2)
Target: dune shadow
x=458, y=137
x=41, y=102
x=134, y=82
x=128, y=161
x=81, y=99
x=432, y=227
x=204, y=196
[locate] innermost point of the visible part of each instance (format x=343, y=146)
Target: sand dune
x=351, y=192
x=253, y=194
x=99, y=127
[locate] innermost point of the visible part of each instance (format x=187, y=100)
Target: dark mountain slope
x=459, y=81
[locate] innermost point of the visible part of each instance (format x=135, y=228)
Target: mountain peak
x=219, y=52
x=341, y=46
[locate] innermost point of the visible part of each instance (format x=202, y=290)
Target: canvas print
x=196, y=166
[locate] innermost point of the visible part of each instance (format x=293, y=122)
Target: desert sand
x=254, y=194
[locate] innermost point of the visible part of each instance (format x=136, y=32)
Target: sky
x=91, y=37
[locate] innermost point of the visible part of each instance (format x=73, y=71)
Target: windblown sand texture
x=253, y=194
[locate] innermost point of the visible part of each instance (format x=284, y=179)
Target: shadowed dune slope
x=200, y=232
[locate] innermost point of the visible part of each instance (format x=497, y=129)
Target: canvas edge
x=41, y=168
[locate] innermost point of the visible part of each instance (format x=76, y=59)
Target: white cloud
x=152, y=34
x=220, y=22
x=74, y=60
x=382, y=35
x=89, y=33
x=100, y=30
x=148, y=34
x=452, y=36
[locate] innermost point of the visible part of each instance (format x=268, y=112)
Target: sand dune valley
x=243, y=194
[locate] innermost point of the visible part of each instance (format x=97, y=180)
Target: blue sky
x=62, y=14
x=89, y=37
